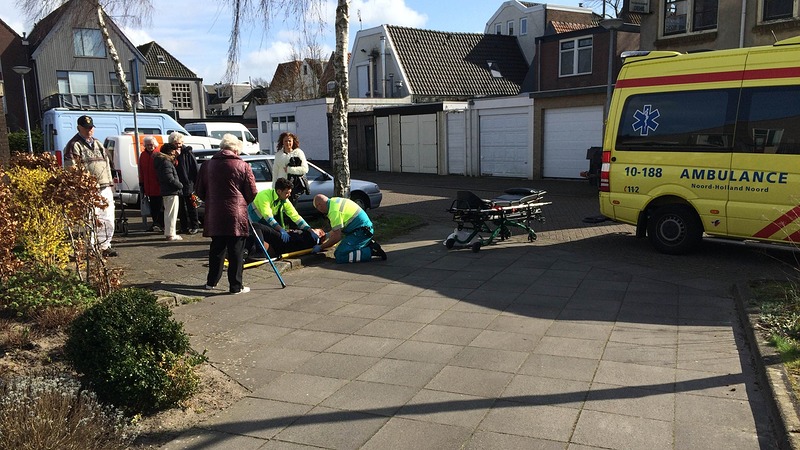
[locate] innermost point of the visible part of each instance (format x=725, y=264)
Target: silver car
x=366, y=193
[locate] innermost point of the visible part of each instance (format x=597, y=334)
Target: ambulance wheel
x=674, y=229
x=476, y=247
x=449, y=243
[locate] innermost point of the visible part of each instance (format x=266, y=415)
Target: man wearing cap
x=86, y=152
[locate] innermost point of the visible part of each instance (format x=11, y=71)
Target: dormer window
x=494, y=69
x=498, y=28
x=523, y=26
x=510, y=27
x=161, y=59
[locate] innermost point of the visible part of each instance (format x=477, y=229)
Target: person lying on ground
x=268, y=213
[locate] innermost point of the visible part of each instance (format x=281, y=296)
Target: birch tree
x=126, y=11
x=310, y=20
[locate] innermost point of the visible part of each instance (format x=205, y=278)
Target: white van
x=217, y=129
x=126, y=160
x=60, y=125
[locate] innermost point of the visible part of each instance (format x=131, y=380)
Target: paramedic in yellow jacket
x=267, y=213
x=351, y=228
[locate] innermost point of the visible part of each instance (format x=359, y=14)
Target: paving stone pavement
x=586, y=338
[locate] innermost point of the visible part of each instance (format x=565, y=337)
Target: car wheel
x=674, y=229
x=361, y=199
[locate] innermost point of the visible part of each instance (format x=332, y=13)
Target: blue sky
x=196, y=32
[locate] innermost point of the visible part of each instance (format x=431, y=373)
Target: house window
x=678, y=20
x=75, y=82
x=576, y=56
x=498, y=28
x=88, y=42
x=705, y=14
x=510, y=27
x=182, y=95
x=114, y=85
x=283, y=123
x=523, y=26
x=778, y=9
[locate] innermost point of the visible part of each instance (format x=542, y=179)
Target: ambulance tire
x=674, y=229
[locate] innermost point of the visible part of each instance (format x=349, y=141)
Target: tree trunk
x=112, y=52
x=341, y=165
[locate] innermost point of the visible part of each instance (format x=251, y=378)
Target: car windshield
x=261, y=170
x=314, y=174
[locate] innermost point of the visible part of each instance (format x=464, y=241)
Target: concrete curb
x=772, y=374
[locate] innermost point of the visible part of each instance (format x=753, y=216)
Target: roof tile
x=451, y=65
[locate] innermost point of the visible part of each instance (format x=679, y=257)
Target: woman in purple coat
x=226, y=184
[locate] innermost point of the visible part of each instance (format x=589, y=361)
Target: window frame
x=523, y=26
x=182, y=97
x=79, y=43
x=114, y=83
x=498, y=28
x=762, y=11
x=510, y=27
x=65, y=76
x=577, y=50
x=682, y=17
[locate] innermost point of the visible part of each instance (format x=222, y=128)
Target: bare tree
x=133, y=12
x=610, y=8
x=306, y=11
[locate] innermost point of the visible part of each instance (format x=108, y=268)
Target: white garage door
x=457, y=143
x=504, y=145
x=568, y=133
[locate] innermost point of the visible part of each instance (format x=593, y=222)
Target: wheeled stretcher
x=481, y=222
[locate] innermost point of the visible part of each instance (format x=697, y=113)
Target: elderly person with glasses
x=227, y=185
x=187, y=173
x=148, y=183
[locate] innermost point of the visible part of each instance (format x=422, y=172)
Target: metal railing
x=98, y=102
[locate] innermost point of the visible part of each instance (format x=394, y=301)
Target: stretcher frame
x=476, y=217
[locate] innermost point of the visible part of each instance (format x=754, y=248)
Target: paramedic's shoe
x=243, y=290
x=109, y=252
x=377, y=250
x=177, y=237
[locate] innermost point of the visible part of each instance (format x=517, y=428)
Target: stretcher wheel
x=476, y=246
x=449, y=243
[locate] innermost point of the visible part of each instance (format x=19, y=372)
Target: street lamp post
x=22, y=70
x=612, y=25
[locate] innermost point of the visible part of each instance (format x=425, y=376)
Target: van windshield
x=219, y=134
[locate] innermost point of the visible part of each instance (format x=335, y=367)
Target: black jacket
x=187, y=169
x=167, y=174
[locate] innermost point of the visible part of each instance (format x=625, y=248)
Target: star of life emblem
x=646, y=120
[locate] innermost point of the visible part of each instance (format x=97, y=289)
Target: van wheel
x=674, y=229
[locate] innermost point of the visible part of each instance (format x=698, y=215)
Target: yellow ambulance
x=705, y=142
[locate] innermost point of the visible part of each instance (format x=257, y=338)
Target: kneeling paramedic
x=351, y=228
x=269, y=205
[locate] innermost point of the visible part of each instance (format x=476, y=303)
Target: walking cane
x=266, y=253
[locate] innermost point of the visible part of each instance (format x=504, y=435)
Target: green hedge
x=132, y=353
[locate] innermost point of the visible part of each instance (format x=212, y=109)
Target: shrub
x=18, y=141
x=42, y=225
x=39, y=288
x=133, y=353
x=54, y=412
x=47, y=216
